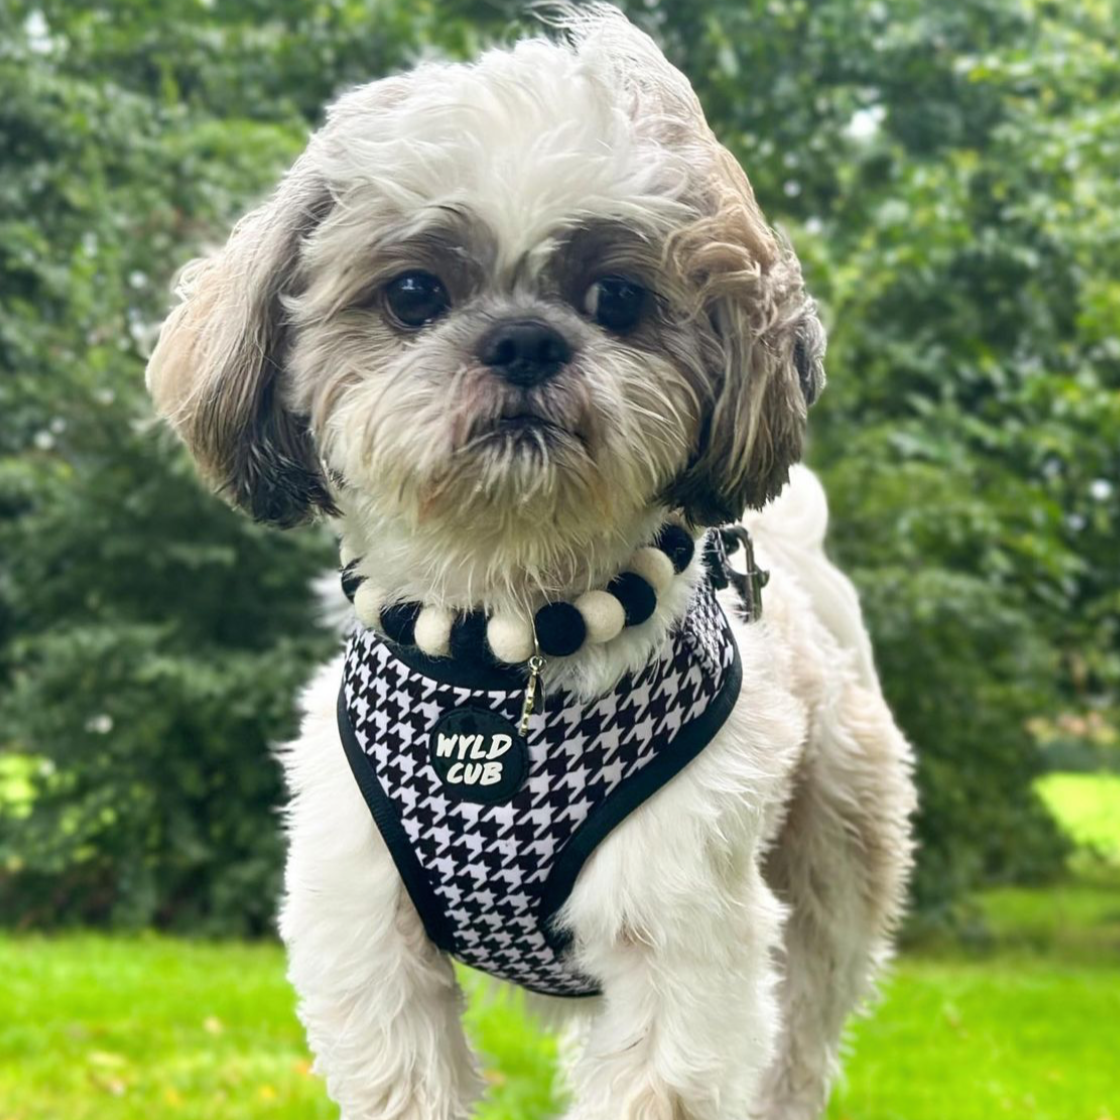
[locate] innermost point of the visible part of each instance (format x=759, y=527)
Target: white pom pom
x=654, y=567
x=602, y=615
x=433, y=631
x=368, y=601
x=510, y=638
x=346, y=552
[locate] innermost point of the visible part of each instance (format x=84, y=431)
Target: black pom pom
x=468, y=638
x=399, y=622
x=351, y=581
x=560, y=629
x=675, y=542
x=638, y=599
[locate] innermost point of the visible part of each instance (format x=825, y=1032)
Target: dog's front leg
x=380, y=1003
x=681, y=940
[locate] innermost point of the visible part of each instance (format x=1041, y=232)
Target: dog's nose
x=524, y=351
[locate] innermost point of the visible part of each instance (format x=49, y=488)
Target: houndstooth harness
x=489, y=835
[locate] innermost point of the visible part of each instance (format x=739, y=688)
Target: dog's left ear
x=769, y=355
x=216, y=372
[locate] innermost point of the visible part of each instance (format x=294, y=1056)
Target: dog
x=520, y=330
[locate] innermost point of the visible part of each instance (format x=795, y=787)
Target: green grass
x=1088, y=805
x=1023, y=1021
x=1020, y=1023
x=101, y=1028
x=985, y=1039
x=116, y=1029
x=106, y=1029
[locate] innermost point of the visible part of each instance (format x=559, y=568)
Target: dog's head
x=528, y=297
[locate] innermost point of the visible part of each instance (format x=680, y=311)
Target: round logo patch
x=478, y=755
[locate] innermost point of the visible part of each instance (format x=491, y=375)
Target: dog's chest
x=489, y=829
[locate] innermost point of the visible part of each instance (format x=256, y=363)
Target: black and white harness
x=489, y=829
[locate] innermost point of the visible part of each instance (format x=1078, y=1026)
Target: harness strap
x=490, y=865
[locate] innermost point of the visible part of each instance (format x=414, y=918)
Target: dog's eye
x=416, y=298
x=615, y=303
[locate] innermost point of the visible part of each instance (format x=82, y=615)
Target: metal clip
x=536, y=664
x=758, y=579
x=750, y=583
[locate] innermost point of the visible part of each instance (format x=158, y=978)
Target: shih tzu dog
x=520, y=330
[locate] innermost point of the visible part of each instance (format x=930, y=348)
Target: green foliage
x=947, y=172
x=150, y=640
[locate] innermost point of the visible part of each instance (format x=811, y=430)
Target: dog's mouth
x=524, y=423
x=525, y=428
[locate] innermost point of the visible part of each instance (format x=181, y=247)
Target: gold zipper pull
x=536, y=664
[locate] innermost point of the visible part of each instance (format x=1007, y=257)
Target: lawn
x=1024, y=1021
x=1089, y=807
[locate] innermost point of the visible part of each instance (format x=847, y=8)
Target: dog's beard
x=516, y=465
x=516, y=449
x=433, y=436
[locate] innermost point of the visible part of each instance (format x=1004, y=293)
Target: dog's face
x=520, y=304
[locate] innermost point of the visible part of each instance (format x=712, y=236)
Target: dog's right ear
x=214, y=374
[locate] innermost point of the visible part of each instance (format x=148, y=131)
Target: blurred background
x=949, y=172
